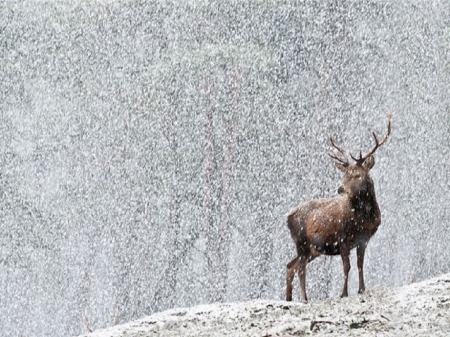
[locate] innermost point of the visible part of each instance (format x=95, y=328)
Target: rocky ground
x=420, y=309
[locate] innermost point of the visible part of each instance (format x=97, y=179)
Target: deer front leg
x=292, y=268
x=360, y=250
x=345, y=254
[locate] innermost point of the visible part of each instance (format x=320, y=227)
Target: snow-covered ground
x=420, y=309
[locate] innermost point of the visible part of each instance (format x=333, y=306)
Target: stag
x=337, y=225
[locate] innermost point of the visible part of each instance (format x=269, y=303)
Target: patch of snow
x=421, y=309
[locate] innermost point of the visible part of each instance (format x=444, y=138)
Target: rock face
x=420, y=309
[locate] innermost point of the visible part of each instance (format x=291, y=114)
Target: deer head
x=357, y=180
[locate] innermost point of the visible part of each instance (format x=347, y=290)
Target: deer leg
x=345, y=254
x=302, y=276
x=360, y=250
x=292, y=267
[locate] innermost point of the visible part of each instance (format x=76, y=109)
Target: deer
x=335, y=226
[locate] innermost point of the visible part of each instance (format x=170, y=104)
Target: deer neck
x=365, y=204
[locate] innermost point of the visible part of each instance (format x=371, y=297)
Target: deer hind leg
x=292, y=268
x=345, y=254
x=360, y=250
x=302, y=276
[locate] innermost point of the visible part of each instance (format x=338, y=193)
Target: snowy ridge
x=420, y=309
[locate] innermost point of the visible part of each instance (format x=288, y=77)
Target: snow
x=420, y=309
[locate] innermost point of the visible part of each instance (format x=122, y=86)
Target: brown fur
x=337, y=225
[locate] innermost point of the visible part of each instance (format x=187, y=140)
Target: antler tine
x=377, y=143
x=332, y=155
x=343, y=161
x=389, y=116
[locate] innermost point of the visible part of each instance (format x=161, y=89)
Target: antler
x=361, y=159
x=332, y=155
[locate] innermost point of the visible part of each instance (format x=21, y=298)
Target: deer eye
x=358, y=176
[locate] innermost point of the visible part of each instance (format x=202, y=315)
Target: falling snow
x=149, y=150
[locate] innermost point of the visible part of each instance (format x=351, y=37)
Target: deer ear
x=368, y=163
x=342, y=167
